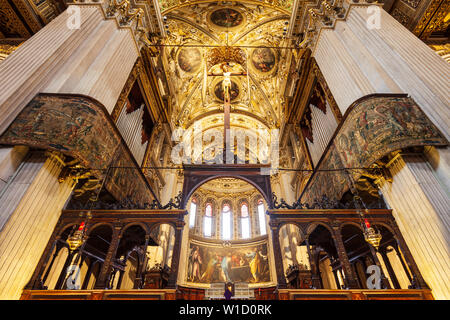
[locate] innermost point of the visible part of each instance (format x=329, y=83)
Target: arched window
x=262, y=218
x=192, y=213
x=226, y=222
x=245, y=221
x=207, y=226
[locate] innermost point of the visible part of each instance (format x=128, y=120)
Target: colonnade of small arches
x=113, y=256
x=313, y=249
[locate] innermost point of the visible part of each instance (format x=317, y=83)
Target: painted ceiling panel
x=248, y=37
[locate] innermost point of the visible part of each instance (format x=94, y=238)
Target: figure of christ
x=227, y=71
x=226, y=83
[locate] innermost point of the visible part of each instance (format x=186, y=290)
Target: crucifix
x=226, y=69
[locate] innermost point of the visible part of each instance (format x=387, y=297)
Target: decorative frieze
x=400, y=16
x=412, y=3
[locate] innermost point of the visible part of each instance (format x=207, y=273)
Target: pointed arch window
x=261, y=218
x=245, y=221
x=226, y=222
x=192, y=213
x=207, y=222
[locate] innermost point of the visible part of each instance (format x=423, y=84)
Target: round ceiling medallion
x=189, y=59
x=234, y=91
x=263, y=59
x=226, y=18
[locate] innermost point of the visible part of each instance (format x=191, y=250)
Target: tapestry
x=79, y=127
x=209, y=263
x=374, y=127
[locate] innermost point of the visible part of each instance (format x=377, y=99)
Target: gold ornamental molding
x=433, y=19
x=10, y=22
x=284, y=6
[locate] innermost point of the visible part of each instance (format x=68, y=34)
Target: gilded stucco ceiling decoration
x=284, y=6
x=227, y=186
x=212, y=127
x=202, y=36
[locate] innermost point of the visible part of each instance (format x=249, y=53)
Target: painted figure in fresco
x=226, y=18
x=344, y=149
x=263, y=59
x=189, y=59
x=256, y=264
x=385, y=113
x=226, y=266
x=190, y=272
x=213, y=264
x=196, y=262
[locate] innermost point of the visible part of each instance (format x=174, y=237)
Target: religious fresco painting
x=209, y=264
x=127, y=183
x=79, y=127
x=328, y=182
x=234, y=91
x=263, y=59
x=66, y=124
x=374, y=127
x=189, y=59
x=226, y=18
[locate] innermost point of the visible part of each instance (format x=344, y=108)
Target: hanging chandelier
x=77, y=238
x=370, y=235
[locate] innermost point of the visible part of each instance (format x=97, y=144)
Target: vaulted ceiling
x=250, y=36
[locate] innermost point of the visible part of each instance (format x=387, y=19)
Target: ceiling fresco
x=246, y=36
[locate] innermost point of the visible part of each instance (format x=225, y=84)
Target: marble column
x=93, y=60
x=10, y=159
x=420, y=207
x=29, y=221
x=356, y=61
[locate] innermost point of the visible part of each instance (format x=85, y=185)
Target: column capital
x=324, y=15
x=132, y=17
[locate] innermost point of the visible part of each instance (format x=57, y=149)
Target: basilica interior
x=170, y=149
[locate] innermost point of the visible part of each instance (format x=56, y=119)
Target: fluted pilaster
x=357, y=61
x=27, y=230
x=94, y=60
x=421, y=210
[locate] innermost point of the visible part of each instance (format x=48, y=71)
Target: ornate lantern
x=77, y=238
x=371, y=236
